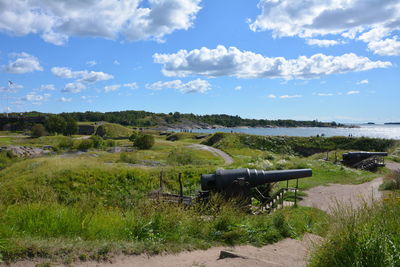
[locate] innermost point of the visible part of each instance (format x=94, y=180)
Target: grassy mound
x=112, y=130
x=304, y=146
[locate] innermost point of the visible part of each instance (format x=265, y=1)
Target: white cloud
x=131, y=85
x=386, y=47
x=352, y=92
x=75, y=87
x=324, y=94
x=322, y=43
x=91, y=63
x=82, y=75
x=64, y=99
x=363, y=82
x=57, y=20
x=231, y=61
x=23, y=63
x=289, y=96
x=238, y=88
x=272, y=96
x=312, y=18
x=47, y=87
x=35, y=98
x=116, y=62
x=372, y=20
x=195, y=86
x=110, y=88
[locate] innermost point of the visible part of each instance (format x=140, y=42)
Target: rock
x=200, y=136
x=26, y=152
x=227, y=254
x=119, y=149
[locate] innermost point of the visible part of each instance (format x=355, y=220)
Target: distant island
x=392, y=122
x=165, y=121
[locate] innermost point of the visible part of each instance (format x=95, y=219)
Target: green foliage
x=38, y=130
x=365, y=237
x=110, y=143
x=134, y=135
x=180, y=156
x=98, y=142
x=112, y=130
x=304, y=146
x=55, y=124
x=144, y=141
x=5, y=159
x=71, y=126
x=85, y=144
x=66, y=143
x=392, y=181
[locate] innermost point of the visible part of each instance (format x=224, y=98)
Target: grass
x=44, y=229
x=365, y=237
x=112, y=130
x=293, y=145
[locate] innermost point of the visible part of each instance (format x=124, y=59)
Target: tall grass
x=152, y=227
x=365, y=237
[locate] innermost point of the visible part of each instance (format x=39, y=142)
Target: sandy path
x=228, y=159
x=287, y=252
x=328, y=197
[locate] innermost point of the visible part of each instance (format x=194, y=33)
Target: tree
x=71, y=126
x=144, y=141
x=55, y=124
x=38, y=130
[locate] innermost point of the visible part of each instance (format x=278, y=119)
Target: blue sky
x=276, y=59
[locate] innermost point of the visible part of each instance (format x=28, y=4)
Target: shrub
x=145, y=141
x=85, y=144
x=66, y=143
x=110, y=143
x=71, y=127
x=392, y=181
x=55, y=124
x=133, y=136
x=180, y=157
x=98, y=142
x=38, y=130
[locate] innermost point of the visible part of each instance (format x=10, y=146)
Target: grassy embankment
x=92, y=205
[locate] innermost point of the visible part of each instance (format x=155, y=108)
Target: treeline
x=148, y=119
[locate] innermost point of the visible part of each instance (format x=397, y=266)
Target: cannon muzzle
x=222, y=179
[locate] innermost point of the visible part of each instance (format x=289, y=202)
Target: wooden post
x=287, y=184
x=180, y=188
x=295, y=192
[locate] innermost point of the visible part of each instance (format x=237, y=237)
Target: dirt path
x=328, y=197
x=287, y=252
x=228, y=159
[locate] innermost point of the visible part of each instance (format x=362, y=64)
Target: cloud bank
x=231, y=61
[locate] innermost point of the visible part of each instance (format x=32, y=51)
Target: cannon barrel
x=224, y=178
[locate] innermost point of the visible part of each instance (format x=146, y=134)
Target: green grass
x=43, y=229
x=112, y=130
x=293, y=145
x=365, y=237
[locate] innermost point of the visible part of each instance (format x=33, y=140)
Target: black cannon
x=239, y=182
x=364, y=160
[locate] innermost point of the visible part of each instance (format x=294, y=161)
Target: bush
x=66, y=143
x=133, y=136
x=392, y=181
x=85, y=144
x=183, y=157
x=110, y=143
x=144, y=141
x=55, y=124
x=38, y=130
x=98, y=142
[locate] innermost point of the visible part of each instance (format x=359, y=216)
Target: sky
x=330, y=60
